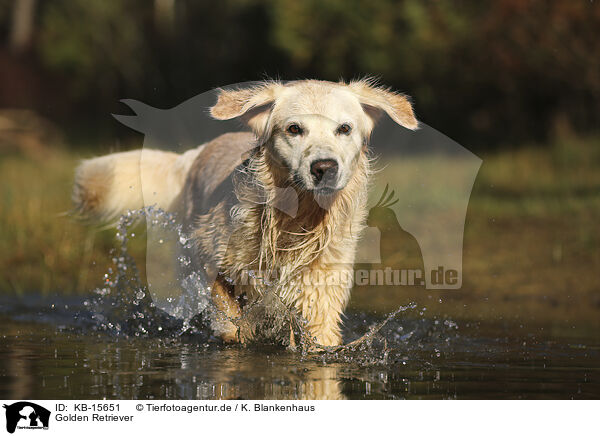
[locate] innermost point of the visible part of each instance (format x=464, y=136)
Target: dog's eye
x=344, y=129
x=294, y=129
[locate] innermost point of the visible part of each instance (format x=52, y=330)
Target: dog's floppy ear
x=253, y=105
x=376, y=99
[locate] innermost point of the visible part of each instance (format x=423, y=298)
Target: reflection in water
x=17, y=367
x=73, y=366
x=425, y=359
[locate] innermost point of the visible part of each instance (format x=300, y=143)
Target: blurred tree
x=164, y=15
x=98, y=45
x=22, y=25
x=484, y=73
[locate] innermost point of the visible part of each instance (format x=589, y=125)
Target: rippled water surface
x=55, y=349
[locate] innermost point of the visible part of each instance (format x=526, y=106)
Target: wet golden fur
x=250, y=203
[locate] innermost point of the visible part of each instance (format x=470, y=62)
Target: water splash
x=125, y=305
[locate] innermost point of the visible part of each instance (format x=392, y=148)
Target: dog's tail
x=106, y=187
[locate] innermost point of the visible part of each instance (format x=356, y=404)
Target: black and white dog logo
x=26, y=415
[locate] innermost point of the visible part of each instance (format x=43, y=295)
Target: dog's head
x=315, y=130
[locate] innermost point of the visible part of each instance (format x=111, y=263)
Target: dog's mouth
x=324, y=190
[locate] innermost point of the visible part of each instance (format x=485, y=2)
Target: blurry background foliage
x=484, y=73
x=516, y=81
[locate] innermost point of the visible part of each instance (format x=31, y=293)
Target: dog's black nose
x=324, y=170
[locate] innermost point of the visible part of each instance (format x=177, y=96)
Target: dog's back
x=210, y=178
x=106, y=187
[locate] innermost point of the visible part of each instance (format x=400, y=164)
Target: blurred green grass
x=530, y=247
x=530, y=244
x=43, y=248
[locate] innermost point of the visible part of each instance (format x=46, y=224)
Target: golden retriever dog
x=287, y=200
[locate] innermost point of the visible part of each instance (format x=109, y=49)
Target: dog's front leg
x=321, y=301
x=227, y=310
x=322, y=309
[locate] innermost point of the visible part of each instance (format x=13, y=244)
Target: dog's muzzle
x=324, y=174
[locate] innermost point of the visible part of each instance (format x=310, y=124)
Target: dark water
x=57, y=349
